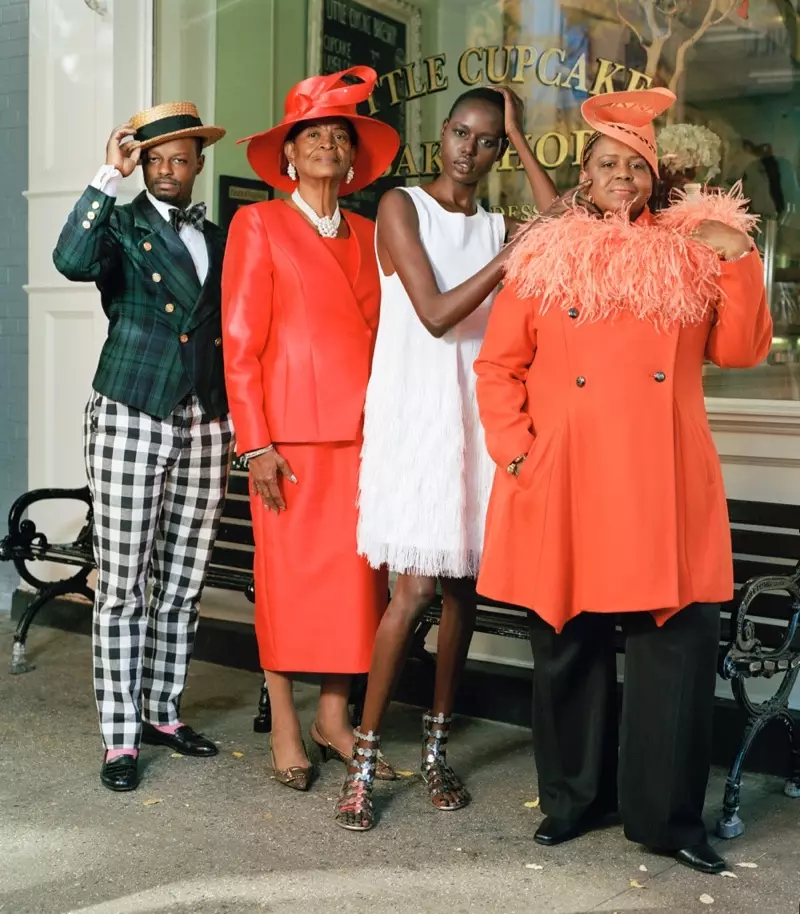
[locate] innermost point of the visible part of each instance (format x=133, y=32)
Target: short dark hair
x=201, y=145
x=480, y=94
x=300, y=126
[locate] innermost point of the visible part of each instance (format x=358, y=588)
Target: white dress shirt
x=107, y=181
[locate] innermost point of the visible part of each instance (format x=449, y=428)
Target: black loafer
x=703, y=858
x=183, y=740
x=121, y=773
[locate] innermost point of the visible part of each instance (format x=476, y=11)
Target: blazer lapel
x=165, y=254
x=209, y=296
x=340, y=283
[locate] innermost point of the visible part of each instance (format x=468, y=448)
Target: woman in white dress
x=425, y=473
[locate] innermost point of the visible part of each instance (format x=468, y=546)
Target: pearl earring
x=291, y=171
x=350, y=174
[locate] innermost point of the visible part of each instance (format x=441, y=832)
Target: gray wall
x=13, y=267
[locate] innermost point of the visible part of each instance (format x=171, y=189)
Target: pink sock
x=111, y=754
x=167, y=728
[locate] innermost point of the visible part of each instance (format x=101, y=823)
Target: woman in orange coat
x=300, y=310
x=608, y=503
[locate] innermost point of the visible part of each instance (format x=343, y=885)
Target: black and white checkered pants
x=158, y=489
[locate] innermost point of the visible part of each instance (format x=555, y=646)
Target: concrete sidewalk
x=205, y=837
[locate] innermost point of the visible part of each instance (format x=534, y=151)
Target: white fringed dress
x=425, y=472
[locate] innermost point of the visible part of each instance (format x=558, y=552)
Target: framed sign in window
x=387, y=36
x=235, y=192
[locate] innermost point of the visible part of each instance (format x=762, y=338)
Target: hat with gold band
x=172, y=121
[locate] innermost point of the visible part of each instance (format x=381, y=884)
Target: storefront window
x=732, y=64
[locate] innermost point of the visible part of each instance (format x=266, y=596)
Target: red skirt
x=318, y=603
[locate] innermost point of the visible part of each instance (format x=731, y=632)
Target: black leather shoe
x=703, y=858
x=183, y=740
x=555, y=831
x=121, y=773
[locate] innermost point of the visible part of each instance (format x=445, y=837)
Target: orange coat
x=297, y=337
x=620, y=504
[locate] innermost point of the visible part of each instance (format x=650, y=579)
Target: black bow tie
x=194, y=216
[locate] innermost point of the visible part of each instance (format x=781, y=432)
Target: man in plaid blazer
x=157, y=436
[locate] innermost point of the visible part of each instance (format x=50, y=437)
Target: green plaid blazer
x=164, y=328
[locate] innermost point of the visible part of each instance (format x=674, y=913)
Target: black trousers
x=655, y=768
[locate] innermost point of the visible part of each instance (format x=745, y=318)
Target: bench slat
x=235, y=533
x=236, y=509
x=239, y=484
x=233, y=558
x=775, y=545
x=764, y=514
x=744, y=569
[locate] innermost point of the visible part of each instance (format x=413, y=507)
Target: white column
x=88, y=72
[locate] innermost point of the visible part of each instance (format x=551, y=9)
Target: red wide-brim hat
x=319, y=97
x=628, y=117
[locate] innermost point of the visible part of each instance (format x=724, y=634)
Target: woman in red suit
x=300, y=309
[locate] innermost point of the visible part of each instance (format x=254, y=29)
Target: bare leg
x=286, y=738
x=411, y=597
x=333, y=719
x=459, y=606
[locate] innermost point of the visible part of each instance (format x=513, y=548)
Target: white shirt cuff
x=107, y=180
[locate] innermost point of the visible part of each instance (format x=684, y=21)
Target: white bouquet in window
x=685, y=149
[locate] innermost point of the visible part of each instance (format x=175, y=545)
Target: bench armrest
x=747, y=657
x=24, y=543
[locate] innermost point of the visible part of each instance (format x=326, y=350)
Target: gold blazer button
x=184, y=337
x=218, y=341
x=169, y=308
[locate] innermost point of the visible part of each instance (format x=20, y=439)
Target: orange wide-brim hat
x=628, y=117
x=172, y=121
x=312, y=100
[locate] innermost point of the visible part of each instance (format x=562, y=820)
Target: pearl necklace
x=327, y=226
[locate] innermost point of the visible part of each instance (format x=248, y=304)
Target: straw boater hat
x=319, y=97
x=628, y=117
x=172, y=121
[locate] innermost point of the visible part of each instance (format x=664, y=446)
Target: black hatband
x=166, y=125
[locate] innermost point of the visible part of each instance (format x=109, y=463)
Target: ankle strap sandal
x=354, y=810
x=445, y=789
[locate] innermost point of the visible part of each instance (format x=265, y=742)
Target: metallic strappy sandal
x=439, y=777
x=383, y=771
x=354, y=809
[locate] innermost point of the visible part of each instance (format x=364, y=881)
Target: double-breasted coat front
x=619, y=505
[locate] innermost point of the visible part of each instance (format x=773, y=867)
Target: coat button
x=218, y=341
x=156, y=277
x=169, y=308
x=581, y=382
x=95, y=205
x=573, y=313
x=184, y=337
x=90, y=216
x=86, y=224
x=147, y=246
x=659, y=376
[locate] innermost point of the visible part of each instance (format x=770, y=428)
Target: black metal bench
x=759, y=633
x=760, y=626
x=231, y=562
